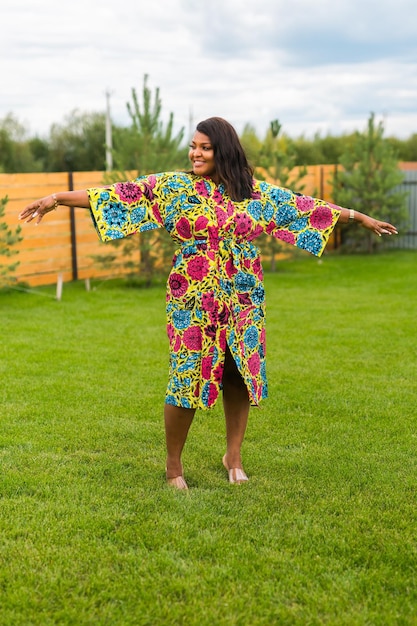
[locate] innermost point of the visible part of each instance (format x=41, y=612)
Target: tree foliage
x=150, y=146
x=8, y=238
x=78, y=144
x=275, y=159
x=367, y=183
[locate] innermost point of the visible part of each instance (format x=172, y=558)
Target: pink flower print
x=148, y=187
x=230, y=268
x=192, y=338
x=256, y=232
x=286, y=235
x=254, y=364
x=213, y=233
x=270, y=228
x=214, y=316
x=247, y=263
x=217, y=197
x=129, y=192
x=156, y=213
x=321, y=218
x=177, y=344
x=212, y=396
x=221, y=216
x=256, y=195
x=178, y=285
x=210, y=330
x=230, y=208
x=202, y=188
x=200, y=223
x=218, y=372
x=206, y=367
x=333, y=206
x=257, y=268
x=222, y=339
x=223, y=315
x=183, y=228
x=244, y=299
x=208, y=302
x=197, y=268
x=170, y=332
x=243, y=223
x=262, y=339
x=304, y=203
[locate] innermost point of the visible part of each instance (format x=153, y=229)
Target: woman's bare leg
x=177, y=424
x=236, y=410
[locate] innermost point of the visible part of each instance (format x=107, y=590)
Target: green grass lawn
x=325, y=532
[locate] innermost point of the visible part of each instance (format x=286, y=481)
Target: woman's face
x=201, y=155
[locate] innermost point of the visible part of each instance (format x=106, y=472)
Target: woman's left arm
x=377, y=226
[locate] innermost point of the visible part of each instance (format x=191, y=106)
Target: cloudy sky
x=316, y=65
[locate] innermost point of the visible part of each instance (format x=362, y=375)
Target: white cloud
x=316, y=66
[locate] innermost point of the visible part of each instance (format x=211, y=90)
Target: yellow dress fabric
x=215, y=292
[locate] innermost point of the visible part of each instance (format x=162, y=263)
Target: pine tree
x=8, y=238
x=148, y=146
x=367, y=183
x=276, y=163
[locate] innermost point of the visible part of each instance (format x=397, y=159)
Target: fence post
x=74, y=260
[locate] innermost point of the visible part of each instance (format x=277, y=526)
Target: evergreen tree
x=8, y=238
x=276, y=163
x=367, y=183
x=149, y=146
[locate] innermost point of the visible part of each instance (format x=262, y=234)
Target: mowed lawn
x=325, y=532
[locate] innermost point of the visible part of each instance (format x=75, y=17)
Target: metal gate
x=408, y=239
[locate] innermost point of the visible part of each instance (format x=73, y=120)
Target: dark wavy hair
x=232, y=165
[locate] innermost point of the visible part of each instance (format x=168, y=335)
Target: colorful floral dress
x=215, y=292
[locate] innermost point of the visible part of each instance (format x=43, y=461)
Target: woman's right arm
x=39, y=208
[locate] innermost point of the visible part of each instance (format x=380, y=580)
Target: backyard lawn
x=325, y=532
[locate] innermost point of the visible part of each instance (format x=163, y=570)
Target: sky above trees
x=317, y=66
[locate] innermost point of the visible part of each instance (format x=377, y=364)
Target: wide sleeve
x=127, y=208
x=300, y=220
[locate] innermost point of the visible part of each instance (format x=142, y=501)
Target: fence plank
x=46, y=251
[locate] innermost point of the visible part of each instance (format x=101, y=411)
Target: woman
x=215, y=294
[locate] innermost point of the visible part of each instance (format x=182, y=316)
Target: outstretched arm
x=41, y=207
x=376, y=226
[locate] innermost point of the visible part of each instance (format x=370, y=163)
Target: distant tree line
x=367, y=180
x=78, y=143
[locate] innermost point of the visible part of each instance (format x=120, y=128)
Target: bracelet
x=351, y=215
x=55, y=202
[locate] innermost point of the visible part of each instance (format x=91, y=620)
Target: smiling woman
x=215, y=294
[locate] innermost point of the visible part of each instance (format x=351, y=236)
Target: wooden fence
x=65, y=242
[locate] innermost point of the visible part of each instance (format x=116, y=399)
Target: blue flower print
x=244, y=282
x=114, y=234
x=205, y=393
x=251, y=337
x=170, y=400
x=255, y=209
x=258, y=295
x=310, y=241
x=185, y=403
x=181, y=319
x=226, y=286
x=104, y=196
x=299, y=224
x=115, y=214
x=279, y=195
x=148, y=227
x=268, y=212
x=137, y=215
x=285, y=214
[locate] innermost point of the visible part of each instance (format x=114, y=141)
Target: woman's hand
x=39, y=209
x=376, y=226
